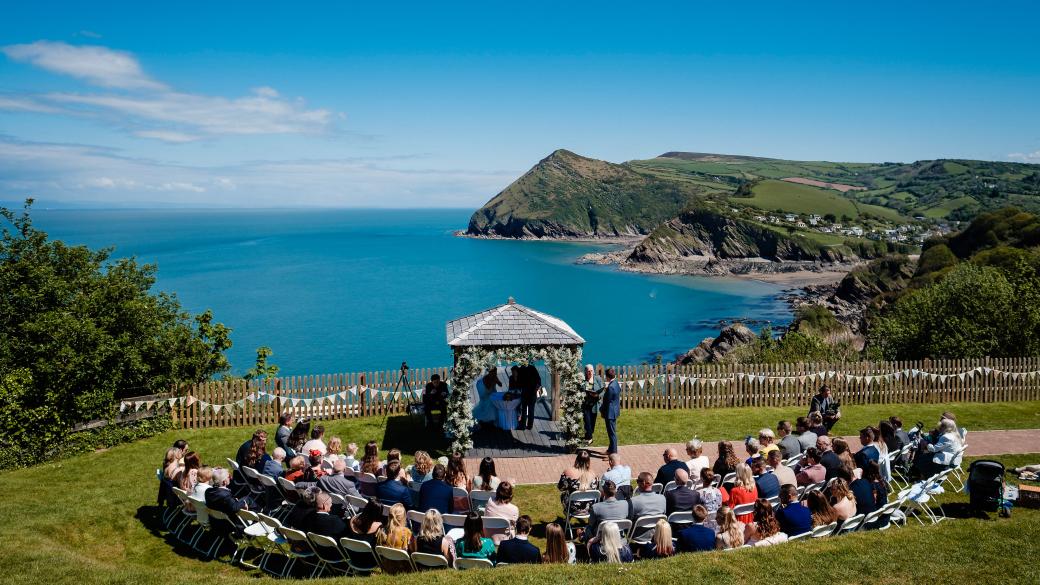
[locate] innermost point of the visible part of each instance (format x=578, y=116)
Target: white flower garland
x=470, y=364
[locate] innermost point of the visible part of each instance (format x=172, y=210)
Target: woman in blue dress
x=484, y=411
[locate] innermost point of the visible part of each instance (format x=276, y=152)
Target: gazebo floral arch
x=514, y=333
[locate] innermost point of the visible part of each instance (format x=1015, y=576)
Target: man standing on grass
x=611, y=409
x=593, y=389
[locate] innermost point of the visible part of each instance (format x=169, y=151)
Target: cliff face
x=707, y=235
x=567, y=195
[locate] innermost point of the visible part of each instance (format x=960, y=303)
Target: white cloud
x=97, y=65
x=1029, y=157
x=75, y=173
x=149, y=109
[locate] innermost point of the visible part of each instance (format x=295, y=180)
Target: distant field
x=771, y=195
x=943, y=209
x=824, y=184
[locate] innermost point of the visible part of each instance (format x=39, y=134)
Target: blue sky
x=343, y=104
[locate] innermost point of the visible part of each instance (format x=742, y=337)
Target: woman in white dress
x=484, y=411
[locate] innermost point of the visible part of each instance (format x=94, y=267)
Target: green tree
x=86, y=330
x=262, y=371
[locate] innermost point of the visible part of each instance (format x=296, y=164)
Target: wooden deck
x=544, y=440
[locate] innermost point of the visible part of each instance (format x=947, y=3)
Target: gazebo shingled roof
x=510, y=324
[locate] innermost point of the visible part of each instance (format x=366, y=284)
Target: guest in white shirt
x=620, y=474
x=782, y=472
x=317, y=441
x=698, y=460
x=205, y=476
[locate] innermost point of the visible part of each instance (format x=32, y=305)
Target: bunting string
x=382, y=395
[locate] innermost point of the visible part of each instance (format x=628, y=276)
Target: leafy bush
x=79, y=331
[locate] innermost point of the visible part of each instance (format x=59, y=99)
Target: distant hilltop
x=714, y=207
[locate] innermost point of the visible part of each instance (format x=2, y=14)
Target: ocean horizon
x=359, y=289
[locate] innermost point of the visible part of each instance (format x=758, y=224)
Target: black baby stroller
x=986, y=488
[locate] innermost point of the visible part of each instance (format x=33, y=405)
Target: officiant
x=593, y=385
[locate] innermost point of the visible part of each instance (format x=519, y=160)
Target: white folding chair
x=729, y=478
x=825, y=530
x=582, y=500
x=743, y=509
x=458, y=495
x=624, y=527
x=669, y=487
x=427, y=562
x=300, y=549
x=642, y=530
x=415, y=519
x=799, y=536
x=496, y=528
x=255, y=536
x=399, y=559
x=463, y=563
x=478, y=500
x=329, y=553
x=187, y=516
x=851, y=524
x=367, y=483
x=202, y=518
x=277, y=543
x=657, y=488
x=355, y=503
x=454, y=524
x=361, y=557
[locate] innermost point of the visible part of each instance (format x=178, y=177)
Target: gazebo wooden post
x=556, y=395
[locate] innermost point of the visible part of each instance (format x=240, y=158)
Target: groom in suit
x=610, y=410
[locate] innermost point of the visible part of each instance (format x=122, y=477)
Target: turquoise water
x=349, y=290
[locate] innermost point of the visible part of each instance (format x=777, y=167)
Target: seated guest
x=336, y=482
x=697, y=459
x=941, y=449
x=321, y=521
x=305, y=505
x=351, y=457
x=370, y=463
x=518, y=550
x=473, y=545
x=682, y=498
x=486, y=478
x=822, y=512
x=901, y=434
x=317, y=441
x=607, y=509
x=252, y=451
x=816, y=425
x=395, y=533
x=661, y=545
x=203, y=483
x=768, y=484
x=431, y=538
x=421, y=470
x=730, y=532
x=578, y=477
x=557, y=549
x=281, y=436
x=784, y=474
x=365, y=525
x=275, y=466
x=334, y=451
x=436, y=494
x=870, y=491
x=644, y=501
x=828, y=458
x=869, y=451
x=298, y=437
x=393, y=455
x=393, y=491
x=812, y=471
x=187, y=474
x=752, y=446
x=172, y=465
x=794, y=518
x=767, y=442
x=697, y=537
x=727, y=461
x=609, y=547
x=841, y=448
x=666, y=472
x=620, y=474
x=744, y=491
x=313, y=471
x=842, y=500
x=502, y=506
x=806, y=438
x=764, y=530
x=457, y=477
x=712, y=498
x=220, y=498
x=788, y=443
x=297, y=466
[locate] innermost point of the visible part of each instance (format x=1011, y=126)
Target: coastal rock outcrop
x=715, y=349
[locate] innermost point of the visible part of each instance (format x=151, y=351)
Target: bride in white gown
x=484, y=411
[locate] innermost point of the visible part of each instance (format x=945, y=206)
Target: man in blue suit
x=392, y=490
x=436, y=494
x=610, y=410
x=793, y=517
x=517, y=549
x=697, y=537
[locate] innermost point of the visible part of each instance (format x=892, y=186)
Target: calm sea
x=349, y=290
